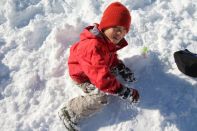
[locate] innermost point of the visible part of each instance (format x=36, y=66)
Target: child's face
x=115, y=34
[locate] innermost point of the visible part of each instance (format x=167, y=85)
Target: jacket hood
x=91, y=32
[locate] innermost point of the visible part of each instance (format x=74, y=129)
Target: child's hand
x=135, y=96
x=127, y=75
x=125, y=72
x=130, y=94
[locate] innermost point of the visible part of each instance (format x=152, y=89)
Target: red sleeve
x=96, y=69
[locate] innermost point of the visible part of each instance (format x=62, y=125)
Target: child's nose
x=120, y=33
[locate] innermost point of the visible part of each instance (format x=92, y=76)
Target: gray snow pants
x=85, y=106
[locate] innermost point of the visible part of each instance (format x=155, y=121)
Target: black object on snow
x=186, y=62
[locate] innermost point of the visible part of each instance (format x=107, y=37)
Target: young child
x=93, y=65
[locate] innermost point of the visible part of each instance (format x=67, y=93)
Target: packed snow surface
x=35, y=36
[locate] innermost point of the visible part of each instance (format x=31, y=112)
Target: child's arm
x=94, y=66
x=98, y=72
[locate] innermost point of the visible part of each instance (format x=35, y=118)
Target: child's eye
x=117, y=29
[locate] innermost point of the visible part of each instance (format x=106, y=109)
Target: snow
x=35, y=36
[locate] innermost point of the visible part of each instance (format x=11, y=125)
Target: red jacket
x=92, y=58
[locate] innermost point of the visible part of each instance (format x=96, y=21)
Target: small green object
x=144, y=50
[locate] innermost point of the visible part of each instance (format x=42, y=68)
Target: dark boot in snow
x=66, y=119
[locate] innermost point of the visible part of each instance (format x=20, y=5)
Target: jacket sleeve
x=98, y=72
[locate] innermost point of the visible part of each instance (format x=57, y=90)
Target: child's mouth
x=115, y=38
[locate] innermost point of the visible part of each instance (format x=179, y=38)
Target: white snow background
x=35, y=36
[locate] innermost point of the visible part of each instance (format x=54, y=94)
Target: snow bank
x=35, y=36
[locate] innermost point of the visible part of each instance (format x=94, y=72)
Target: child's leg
x=84, y=106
